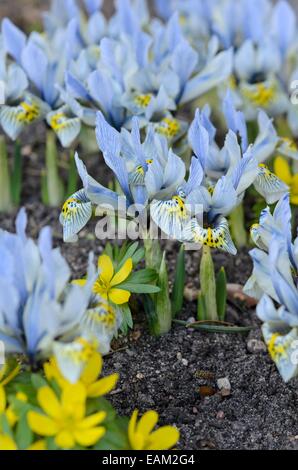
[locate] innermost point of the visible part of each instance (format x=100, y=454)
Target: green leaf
x=150, y=310
x=221, y=293
x=178, y=287
x=5, y=179
x=38, y=381
x=16, y=177
x=163, y=305
x=24, y=435
x=95, y=405
x=116, y=436
x=201, y=308
x=139, y=288
x=55, y=189
x=142, y=277
x=128, y=253
x=138, y=256
x=72, y=180
x=127, y=321
x=109, y=250
x=213, y=328
x=208, y=285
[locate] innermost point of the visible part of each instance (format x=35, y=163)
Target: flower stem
x=5, y=183
x=208, y=284
x=237, y=224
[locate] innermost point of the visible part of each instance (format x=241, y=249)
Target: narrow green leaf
x=208, y=285
x=127, y=321
x=139, y=288
x=38, y=381
x=201, y=308
x=129, y=253
x=5, y=181
x=221, y=293
x=54, y=183
x=138, y=256
x=115, y=437
x=16, y=177
x=72, y=181
x=24, y=435
x=162, y=301
x=178, y=287
x=142, y=276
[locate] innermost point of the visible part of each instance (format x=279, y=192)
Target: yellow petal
x=294, y=200
x=92, y=369
x=147, y=423
x=49, y=402
x=102, y=386
x=282, y=169
x=42, y=425
x=132, y=425
x=163, y=439
x=106, y=268
x=89, y=437
x=123, y=273
x=7, y=443
x=38, y=445
x=65, y=440
x=119, y=296
x=11, y=417
x=74, y=400
x=2, y=400
x=92, y=420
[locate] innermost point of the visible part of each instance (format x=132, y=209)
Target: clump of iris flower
x=273, y=282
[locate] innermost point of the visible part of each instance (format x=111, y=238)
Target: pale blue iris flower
x=37, y=303
x=240, y=162
x=44, y=64
x=143, y=170
x=149, y=75
x=274, y=282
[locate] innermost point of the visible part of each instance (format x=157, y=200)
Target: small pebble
x=255, y=346
x=140, y=376
x=184, y=362
x=220, y=415
x=224, y=383
x=179, y=356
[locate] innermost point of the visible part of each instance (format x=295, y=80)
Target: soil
x=177, y=374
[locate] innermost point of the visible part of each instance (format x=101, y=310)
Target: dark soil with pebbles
x=177, y=374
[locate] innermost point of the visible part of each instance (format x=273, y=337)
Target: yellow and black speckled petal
x=171, y=216
x=269, y=185
x=76, y=212
x=217, y=236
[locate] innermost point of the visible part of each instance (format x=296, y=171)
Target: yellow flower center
x=261, y=95
x=276, y=351
x=169, y=127
x=28, y=112
x=143, y=100
x=58, y=121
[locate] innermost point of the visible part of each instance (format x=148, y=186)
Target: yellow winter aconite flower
x=94, y=387
x=142, y=436
x=282, y=169
x=105, y=286
x=7, y=443
x=66, y=420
